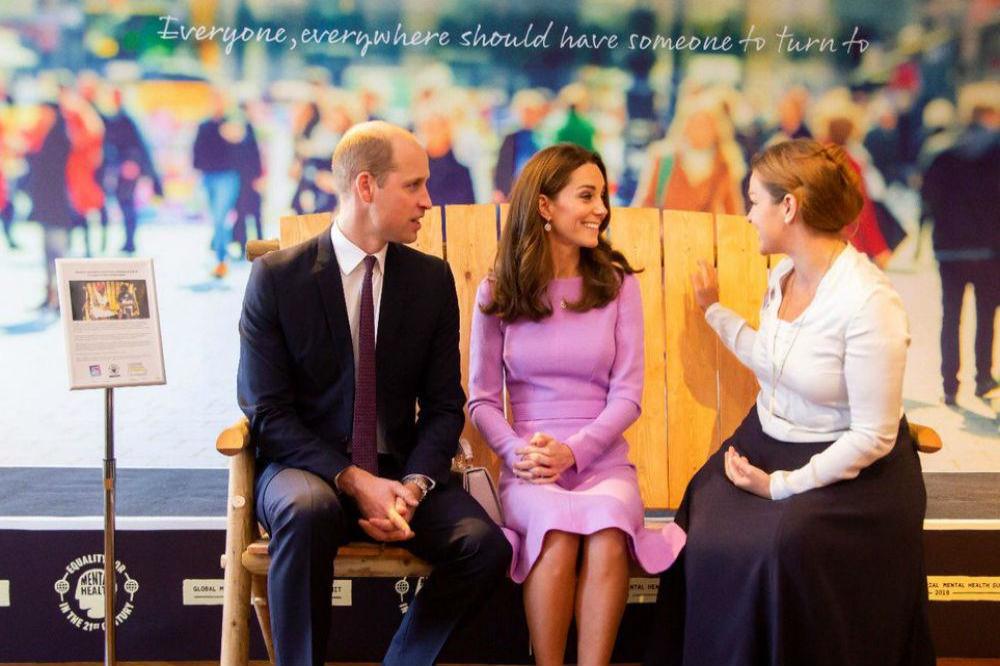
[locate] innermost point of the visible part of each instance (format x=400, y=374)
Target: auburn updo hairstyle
x=820, y=177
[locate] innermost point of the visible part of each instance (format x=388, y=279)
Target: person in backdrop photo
x=47, y=152
x=126, y=161
x=250, y=165
x=451, y=181
x=960, y=189
x=530, y=108
x=215, y=155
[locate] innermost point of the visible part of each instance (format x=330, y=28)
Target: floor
x=941, y=662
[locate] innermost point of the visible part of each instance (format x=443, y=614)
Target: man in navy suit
x=342, y=453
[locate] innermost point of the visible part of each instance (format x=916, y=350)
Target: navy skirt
x=831, y=576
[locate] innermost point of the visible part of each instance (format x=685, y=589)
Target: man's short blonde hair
x=365, y=147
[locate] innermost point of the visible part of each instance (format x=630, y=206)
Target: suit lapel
x=326, y=272
x=391, y=307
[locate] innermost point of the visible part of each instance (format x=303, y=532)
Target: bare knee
x=559, y=552
x=605, y=552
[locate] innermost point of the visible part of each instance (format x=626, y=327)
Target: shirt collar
x=350, y=255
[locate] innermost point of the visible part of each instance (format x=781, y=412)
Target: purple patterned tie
x=364, y=451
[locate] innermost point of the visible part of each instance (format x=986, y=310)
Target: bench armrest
x=234, y=439
x=258, y=248
x=927, y=438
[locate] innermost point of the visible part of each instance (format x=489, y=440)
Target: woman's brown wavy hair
x=523, y=267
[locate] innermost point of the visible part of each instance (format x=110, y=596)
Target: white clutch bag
x=477, y=482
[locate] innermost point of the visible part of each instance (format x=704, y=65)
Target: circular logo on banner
x=81, y=593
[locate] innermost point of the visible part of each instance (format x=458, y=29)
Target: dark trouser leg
x=80, y=221
x=104, y=229
x=222, y=188
x=56, y=240
x=7, y=215
x=258, y=221
x=125, y=193
x=306, y=523
x=240, y=229
x=984, y=280
x=470, y=555
x=952, y=290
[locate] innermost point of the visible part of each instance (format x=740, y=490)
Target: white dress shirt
x=351, y=259
x=835, y=373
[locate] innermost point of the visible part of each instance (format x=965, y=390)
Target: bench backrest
x=696, y=392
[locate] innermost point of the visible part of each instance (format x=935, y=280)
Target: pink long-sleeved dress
x=578, y=377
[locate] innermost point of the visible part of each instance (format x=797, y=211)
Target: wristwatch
x=424, y=483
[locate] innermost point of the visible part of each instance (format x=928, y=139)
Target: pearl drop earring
x=548, y=226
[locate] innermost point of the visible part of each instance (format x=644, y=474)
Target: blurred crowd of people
x=70, y=153
x=76, y=157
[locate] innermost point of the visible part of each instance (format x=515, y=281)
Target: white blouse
x=834, y=373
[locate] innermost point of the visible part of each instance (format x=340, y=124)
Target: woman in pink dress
x=560, y=321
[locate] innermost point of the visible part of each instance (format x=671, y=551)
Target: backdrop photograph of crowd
x=123, y=135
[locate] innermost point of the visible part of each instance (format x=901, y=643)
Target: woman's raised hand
x=705, y=281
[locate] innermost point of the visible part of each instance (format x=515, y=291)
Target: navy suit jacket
x=296, y=373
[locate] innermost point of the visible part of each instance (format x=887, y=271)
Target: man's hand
x=745, y=476
x=379, y=501
x=408, y=506
x=544, y=459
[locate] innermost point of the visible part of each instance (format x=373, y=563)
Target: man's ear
x=364, y=186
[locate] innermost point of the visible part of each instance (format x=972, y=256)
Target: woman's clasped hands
x=543, y=460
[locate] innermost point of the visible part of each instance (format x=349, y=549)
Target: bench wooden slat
x=636, y=233
x=471, y=248
x=742, y=283
x=298, y=228
x=504, y=212
x=430, y=238
x=360, y=559
x=354, y=560
x=692, y=424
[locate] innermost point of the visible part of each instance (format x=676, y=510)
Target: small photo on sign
x=103, y=300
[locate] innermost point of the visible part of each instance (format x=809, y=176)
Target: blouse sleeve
x=486, y=381
x=874, y=361
x=624, y=402
x=733, y=330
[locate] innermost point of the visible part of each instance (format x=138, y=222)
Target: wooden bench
x=695, y=395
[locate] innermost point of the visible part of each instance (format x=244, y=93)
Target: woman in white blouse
x=804, y=529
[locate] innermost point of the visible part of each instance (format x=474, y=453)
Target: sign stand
x=109, y=527
x=112, y=332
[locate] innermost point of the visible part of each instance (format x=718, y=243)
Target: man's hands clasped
x=386, y=506
x=543, y=460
